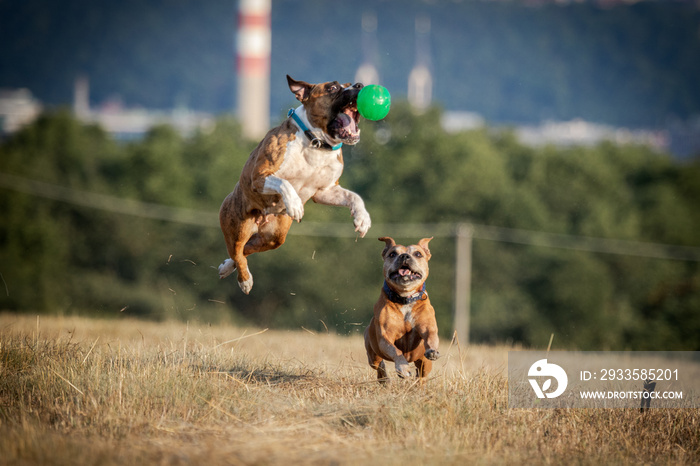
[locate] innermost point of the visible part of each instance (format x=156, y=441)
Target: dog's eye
x=333, y=87
x=392, y=254
x=418, y=254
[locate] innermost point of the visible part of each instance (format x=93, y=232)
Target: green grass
x=82, y=392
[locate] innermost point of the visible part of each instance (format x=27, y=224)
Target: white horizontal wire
x=108, y=203
x=483, y=232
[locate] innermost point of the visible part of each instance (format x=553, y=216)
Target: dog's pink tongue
x=404, y=272
x=345, y=126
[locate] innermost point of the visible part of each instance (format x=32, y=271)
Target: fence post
x=463, y=277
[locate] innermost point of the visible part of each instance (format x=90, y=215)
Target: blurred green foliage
x=61, y=257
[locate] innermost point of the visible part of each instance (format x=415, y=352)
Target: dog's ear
x=390, y=243
x=424, y=244
x=300, y=89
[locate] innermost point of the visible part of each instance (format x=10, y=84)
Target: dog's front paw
x=294, y=206
x=403, y=371
x=432, y=354
x=290, y=198
x=362, y=222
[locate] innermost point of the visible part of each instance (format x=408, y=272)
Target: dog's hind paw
x=432, y=354
x=246, y=285
x=226, y=268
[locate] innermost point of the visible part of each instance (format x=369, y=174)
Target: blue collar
x=398, y=299
x=315, y=142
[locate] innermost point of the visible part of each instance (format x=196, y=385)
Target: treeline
x=67, y=257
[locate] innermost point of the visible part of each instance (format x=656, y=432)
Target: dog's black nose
x=403, y=258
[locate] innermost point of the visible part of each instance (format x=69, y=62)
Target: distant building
x=575, y=132
x=453, y=121
x=18, y=108
x=583, y=133
x=133, y=123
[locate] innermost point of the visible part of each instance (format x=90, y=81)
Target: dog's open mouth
x=405, y=274
x=345, y=125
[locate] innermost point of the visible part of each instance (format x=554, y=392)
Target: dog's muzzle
x=404, y=272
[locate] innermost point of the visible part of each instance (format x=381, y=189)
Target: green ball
x=373, y=102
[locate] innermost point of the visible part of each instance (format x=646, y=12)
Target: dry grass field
x=87, y=392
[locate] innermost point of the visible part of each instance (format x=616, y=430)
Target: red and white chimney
x=253, y=45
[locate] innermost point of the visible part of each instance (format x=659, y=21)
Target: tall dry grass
x=82, y=392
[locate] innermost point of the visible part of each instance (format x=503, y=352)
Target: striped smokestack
x=253, y=43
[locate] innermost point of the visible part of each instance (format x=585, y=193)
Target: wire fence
x=153, y=211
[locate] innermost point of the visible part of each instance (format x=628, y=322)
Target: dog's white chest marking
x=407, y=311
x=307, y=169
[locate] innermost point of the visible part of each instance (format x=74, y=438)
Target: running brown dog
x=403, y=328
